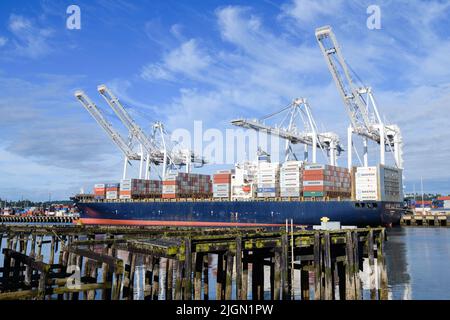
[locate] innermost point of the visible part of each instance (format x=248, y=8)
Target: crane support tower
x=360, y=104
x=328, y=142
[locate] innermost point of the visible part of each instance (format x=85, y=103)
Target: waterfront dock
x=113, y=263
x=430, y=220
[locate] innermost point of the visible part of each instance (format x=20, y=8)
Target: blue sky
x=180, y=61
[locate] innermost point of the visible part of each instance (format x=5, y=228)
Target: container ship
x=252, y=194
x=259, y=193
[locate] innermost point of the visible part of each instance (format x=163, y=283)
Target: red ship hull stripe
x=174, y=223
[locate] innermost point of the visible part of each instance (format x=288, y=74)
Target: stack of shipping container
x=291, y=179
x=222, y=184
x=99, y=191
x=243, y=181
x=140, y=188
x=268, y=180
x=378, y=183
x=321, y=180
x=186, y=185
x=112, y=191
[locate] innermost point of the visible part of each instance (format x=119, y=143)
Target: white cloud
x=187, y=59
x=3, y=41
x=307, y=11
x=29, y=39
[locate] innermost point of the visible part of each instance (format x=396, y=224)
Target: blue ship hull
x=238, y=213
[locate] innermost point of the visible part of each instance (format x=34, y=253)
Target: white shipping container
x=111, y=194
x=99, y=186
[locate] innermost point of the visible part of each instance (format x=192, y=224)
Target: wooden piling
x=205, y=277
x=327, y=266
x=285, y=267
x=238, y=268
x=169, y=279
x=188, y=269
x=229, y=276
x=198, y=276
x=244, y=276
x=220, y=277
x=317, y=267
x=155, y=285
x=350, y=268
x=372, y=276
x=277, y=275
x=358, y=286
x=304, y=283
x=178, y=267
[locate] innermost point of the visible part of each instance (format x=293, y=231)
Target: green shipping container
x=313, y=193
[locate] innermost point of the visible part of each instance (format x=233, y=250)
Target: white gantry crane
x=156, y=153
x=360, y=104
x=299, y=109
x=125, y=147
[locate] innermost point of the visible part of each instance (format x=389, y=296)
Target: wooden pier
x=425, y=220
x=124, y=263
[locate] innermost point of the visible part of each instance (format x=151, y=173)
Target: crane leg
x=349, y=147
x=147, y=167
x=305, y=153
x=314, y=149
x=125, y=165
x=366, y=155
x=382, y=144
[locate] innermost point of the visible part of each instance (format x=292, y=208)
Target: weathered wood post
x=205, y=277
x=178, y=267
x=277, y=275
x=304, y=283
x=155, y=285
x=169, y=279
x=383, y=290
x=220, y=276
x=188, y=269
x=52, y=251
x=148, y=262
x=372, y=276
x=198, y=276
x=238, y=268
x=350, y=268
x=327, y=266
x=229, y=276
x=358, y=286
x=244, y=275
x=284, y=266
x=317, y=267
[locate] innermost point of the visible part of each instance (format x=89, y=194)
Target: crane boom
x=359, y=102
x=350, y=93
x=107, y=127
x=326, y=141
x=156, y=154
x=131, y=125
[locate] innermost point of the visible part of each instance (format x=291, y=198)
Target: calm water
x=417, y=259
x=418, y=263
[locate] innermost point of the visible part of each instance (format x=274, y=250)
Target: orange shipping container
x=222, y=180
x=169, y=196
x=312, y=172
x=169, y=183
x=313, y=177
x=312, y=188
